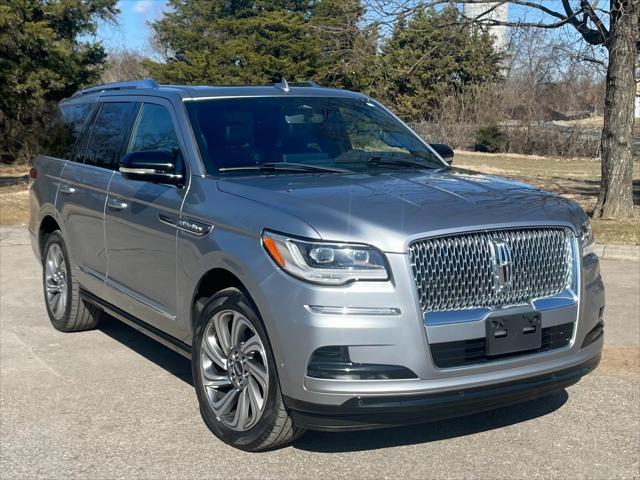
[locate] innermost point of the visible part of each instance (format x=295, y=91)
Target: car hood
x=389, y=210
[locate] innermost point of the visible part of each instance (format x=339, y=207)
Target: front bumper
x=362, y=413
x=402, y=339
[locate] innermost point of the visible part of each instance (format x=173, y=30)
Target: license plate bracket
x=516, y=332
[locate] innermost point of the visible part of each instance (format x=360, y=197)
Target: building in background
x=492, y=11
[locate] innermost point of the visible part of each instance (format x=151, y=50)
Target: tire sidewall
x=56, y=238
x=232, y=299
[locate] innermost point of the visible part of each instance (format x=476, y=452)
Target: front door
x=140, y=227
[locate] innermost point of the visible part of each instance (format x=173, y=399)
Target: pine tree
x=239, y=42
x=260, y=41
x=43, y=58
x=348, y=46
x=432, y=54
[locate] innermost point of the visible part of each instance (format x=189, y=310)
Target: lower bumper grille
x=473, y=352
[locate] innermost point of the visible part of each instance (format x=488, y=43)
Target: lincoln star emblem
x=502, y=264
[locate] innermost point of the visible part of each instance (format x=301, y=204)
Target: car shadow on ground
x=153, y=351
x=327, y=442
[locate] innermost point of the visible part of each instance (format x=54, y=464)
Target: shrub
x=489, y=139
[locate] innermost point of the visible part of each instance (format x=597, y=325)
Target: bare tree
x=124, y=65
x=611, y=24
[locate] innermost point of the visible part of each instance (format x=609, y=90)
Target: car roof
x=202, y=92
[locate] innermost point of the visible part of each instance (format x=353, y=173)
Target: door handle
x=66, y=188
x=117, y=204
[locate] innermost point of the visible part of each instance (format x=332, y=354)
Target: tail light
x=33, y=173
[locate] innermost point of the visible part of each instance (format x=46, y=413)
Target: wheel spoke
x=221, y=323
x=63, y=298
x=53, y=288
x=254, y=396
x=213, y=352
x=50, y=267
x=252, y=345
x=242, y=411
x=215, y=381
x=258, y=372
x=55, y=257
x=226, y=403
x=55, y=304
x=238, y=326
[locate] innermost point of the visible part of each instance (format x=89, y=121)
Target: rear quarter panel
x=42, y=194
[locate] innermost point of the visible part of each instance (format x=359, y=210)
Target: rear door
x=140, y=226
x=83, y=192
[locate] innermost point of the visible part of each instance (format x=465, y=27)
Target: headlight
x=587, y=240
x=325, y=262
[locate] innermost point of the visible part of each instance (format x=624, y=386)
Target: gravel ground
x=112, y=404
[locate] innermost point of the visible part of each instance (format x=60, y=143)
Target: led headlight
x=587, y=240
x=325, y=262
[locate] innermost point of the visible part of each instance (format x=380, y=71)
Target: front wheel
x=235, y=376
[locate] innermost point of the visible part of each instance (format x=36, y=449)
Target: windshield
x=335, y=133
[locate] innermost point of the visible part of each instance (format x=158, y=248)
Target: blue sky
x=132, y=30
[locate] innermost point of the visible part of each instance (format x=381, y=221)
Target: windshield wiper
x=283, y=167
x=380, y=160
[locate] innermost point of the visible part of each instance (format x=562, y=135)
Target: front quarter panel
x=233, y=244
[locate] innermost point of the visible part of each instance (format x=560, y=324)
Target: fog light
x=334, y=363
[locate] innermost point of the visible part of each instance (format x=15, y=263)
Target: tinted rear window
x=66, y=128
x=108, y=135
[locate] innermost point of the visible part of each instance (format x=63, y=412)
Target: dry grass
x=14, y=170
x=14, y=205
x=574, y=178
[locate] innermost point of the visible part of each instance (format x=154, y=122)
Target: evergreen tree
x=234, y=42
x=432, y=54
x=260, y=41
x=42, y=60
x=348, y=46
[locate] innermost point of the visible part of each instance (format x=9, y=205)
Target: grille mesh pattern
x=456, y=272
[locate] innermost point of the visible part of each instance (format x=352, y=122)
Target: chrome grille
x=457, y=272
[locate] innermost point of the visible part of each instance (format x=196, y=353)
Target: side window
x=65, y=129
x=108, y=134
x=154, y=131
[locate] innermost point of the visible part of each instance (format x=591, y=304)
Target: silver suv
x=321, y=265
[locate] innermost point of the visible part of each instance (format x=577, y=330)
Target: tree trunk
x=616, y=185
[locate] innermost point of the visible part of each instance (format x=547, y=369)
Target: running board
x=158, y=335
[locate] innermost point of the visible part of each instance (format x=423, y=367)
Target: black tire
x=275, y=427
x=78, y=315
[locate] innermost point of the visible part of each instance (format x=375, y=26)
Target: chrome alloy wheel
x=56, y=282
x=234, y=370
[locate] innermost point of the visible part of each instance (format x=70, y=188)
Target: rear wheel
x=67, y=311
x=235, y=376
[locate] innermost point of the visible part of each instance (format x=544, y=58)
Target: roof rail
x=306, y=83
x=146, y=83
x=284, y=85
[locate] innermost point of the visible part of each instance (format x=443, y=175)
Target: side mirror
x=155, y=166
x=445, y=151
